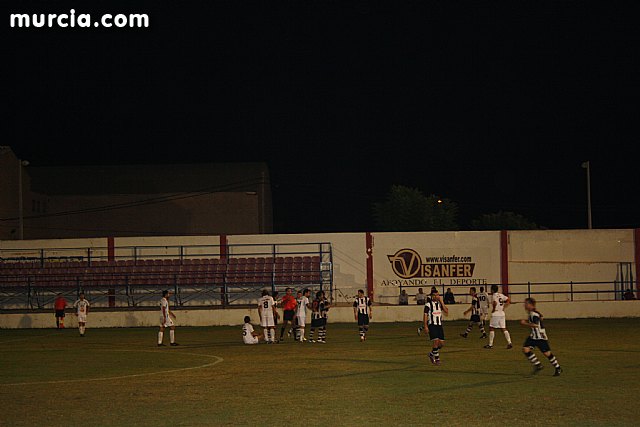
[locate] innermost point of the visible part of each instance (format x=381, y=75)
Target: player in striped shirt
x=82, y=309
x=433, y=309
x=475, y=315
x=537, y=338
x=324, y=313
x=362, y=313
x=319, y=309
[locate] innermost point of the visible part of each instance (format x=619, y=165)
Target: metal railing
x=541, y=291
x=31, y=279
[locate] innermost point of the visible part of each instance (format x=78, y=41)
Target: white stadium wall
x=381, y=262
x=569, y=256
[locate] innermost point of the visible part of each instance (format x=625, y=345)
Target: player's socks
x=265, y=332
x=553, y=361
x=172, y=336
x=160, y=337
x=301, y=334
x=361, y=332
x=469, y=328
x=481, y=326
x=492, y=335
x=58, y=322
x=532, y=358
x=436, y=353
x=507, y=336
x=282, y=333
x=321, y=334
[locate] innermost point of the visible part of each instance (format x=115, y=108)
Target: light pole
x=21, y=164
x=586, y=165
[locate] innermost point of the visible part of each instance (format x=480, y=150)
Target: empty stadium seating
x=252, y=271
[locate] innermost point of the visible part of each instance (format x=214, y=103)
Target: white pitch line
x=120, y=377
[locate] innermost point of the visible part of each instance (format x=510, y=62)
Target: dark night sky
x=493, y=107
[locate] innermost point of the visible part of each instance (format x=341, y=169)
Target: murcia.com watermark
x=81, y=20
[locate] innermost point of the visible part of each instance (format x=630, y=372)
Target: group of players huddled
x=294, y=317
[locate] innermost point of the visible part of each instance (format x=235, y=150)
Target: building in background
x=134, y=200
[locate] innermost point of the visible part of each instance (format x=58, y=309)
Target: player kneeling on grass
x=537, y=338
x=268, y=314
x=475, y=315
x=249, y=336
x=166, y=320
x=433, y=309
x=362, y=313
x=82, y=309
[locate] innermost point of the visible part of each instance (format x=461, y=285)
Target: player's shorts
x=498, y=322
x=166, y=323
x=475, y=318
x=318, y=322
x=301, y=320
x=543, y=345
x=436, y=332
x=289, y=315
x=251, y=340
x=82, y=318
x=59, y=313
x=267, y=320
x=363, y=319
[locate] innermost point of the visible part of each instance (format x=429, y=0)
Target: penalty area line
x=121, y=377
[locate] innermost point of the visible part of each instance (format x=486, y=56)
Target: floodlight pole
x=21, y=164
x=586, y=165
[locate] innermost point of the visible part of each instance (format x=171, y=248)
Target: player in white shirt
x=267, y=312
x=301, y=314
x=166, y=320
x=249, y=336
x=498, y=318
x=82, y=308
x=485, y=304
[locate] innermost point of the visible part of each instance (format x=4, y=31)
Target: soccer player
x=498, y=318
x=82, y=309
x=483, y=297
x=362, y=313
x=166, y=320
x=324, y=315
x=316, y=317
x=537, y=338
x=289, y=305
x=433, y=309
x=249, y=336
x=268, y=314
x=301, y=314
x=59, y=305
x=475, y=315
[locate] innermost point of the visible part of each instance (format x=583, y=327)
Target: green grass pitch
x=55, y=378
